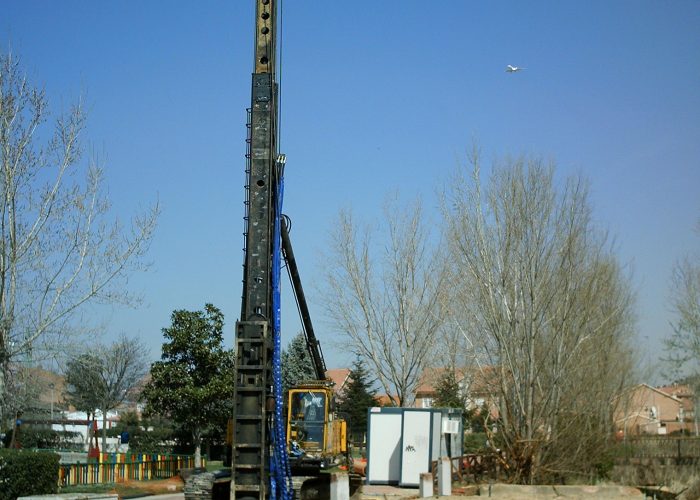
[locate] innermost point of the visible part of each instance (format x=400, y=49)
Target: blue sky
x=376, y=97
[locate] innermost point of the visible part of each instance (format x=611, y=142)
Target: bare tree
x=548, y=308
x=83, y=376
x=105, y=377
x=683, y=345
x=58, y=250
x=388, y=301
x=25, y=387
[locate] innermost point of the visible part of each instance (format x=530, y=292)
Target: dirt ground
x=155, y=487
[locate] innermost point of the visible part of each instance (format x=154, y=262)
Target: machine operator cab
x=308, y=418
x=314, y=435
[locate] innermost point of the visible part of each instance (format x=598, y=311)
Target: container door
x=384, y=460
x=416, y=446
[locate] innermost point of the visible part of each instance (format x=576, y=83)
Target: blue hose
x=280, y=477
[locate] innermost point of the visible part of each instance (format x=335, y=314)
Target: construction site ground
x=505, y=492
x=173, y=487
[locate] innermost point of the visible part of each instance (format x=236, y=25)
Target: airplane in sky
x=513, y=69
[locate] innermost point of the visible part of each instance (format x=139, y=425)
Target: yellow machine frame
x=300, y=426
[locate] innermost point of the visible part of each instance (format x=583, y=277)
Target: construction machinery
x=270, y=438
x=263, y=437
x=316, y=438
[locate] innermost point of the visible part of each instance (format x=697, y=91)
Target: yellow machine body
x=311, y=423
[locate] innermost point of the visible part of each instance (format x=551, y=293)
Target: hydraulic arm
x=311, y=341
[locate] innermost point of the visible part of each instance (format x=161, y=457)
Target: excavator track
x=216, y=486
x=208, y=486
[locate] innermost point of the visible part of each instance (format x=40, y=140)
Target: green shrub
x=39, y=437
x=475, y=442
x=24, y=472
x=605, y=464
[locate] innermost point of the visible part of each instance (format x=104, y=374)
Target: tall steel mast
x=253, y=384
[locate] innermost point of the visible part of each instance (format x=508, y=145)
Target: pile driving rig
x=259, y=446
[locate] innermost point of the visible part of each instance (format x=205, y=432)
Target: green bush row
x=24, y=472
x=39, y=437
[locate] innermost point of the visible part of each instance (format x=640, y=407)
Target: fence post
x=445, y=476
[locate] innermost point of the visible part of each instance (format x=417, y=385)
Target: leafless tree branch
x=550, y=309
x=58, y=248
x=387, y=299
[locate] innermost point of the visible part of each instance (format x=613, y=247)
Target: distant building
x=644, y=409
x=386, y=400
x=341, y=377
x=686, y=395
x=52, y=387
x=50, y=409
x=477, y=387
x=35, y=391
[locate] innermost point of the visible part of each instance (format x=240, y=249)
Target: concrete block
x=445, y=476
x=425, y=487
x=520, y=491
x=340, y=486
x=513, y=491
x=597, y=491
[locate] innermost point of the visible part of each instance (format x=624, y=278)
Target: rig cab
x=316, y=437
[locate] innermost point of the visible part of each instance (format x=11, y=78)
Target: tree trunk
x=197, y=438
x=14, y=442
x=2, y=395
x=104, y=431
x=696, y=408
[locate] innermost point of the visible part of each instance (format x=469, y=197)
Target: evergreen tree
x=297, y=365
x=478, y=418
x=448, y=392
x=356, y=398
x=450, y=395
x=192, y=385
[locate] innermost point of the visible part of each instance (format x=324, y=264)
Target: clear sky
x=376, y=97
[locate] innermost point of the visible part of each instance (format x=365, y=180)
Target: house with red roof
x=340, y=377
x=644, y=409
